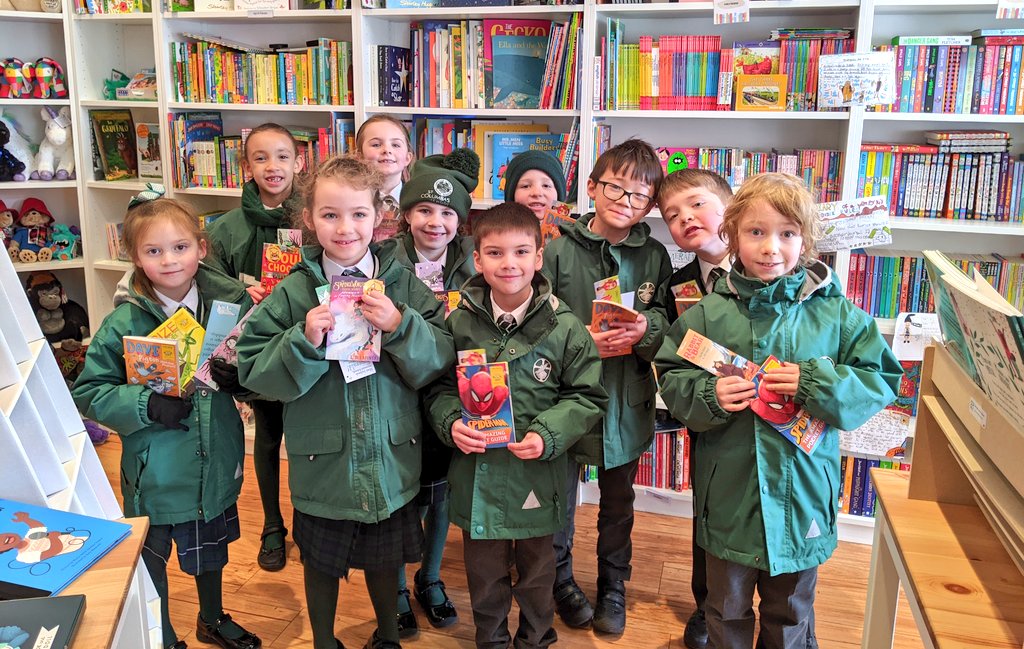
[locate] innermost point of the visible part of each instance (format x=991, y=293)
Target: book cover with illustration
x=857, y=79
x=225, y=351
x=505, y=146
x=352, y=338
x=40, y=622
x=608, y=289
x=452, y=300
x=153, y=363
x=390, y=220
x=686, y=295
x=716, y=359
x=514, y=61
x=114, y=133
x=761, y=92
x=557, y=215
x=756, y=57
x=147, y=148
x=189, y=334
x=277, y=262
x=393, y=66
x=431, y=273
x=676, y=158
x=487, y=401
x=605, y=314
x=43, y=550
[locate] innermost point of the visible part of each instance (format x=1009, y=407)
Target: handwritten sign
x=883, y=435
x=860, y=223
x=860, y=79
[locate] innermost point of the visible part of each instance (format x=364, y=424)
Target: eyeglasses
x=613, y=193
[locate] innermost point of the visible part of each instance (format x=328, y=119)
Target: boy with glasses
x=612, y=242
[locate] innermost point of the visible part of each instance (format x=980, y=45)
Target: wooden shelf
x=36, y=185
x=119, y=19
x=131, y=185
x=113, y=264
x=35, y=102
x=210, y=191
x=53, y=264
x=958, y=118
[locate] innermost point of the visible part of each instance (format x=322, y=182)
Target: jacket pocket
x=314, y=441
x=405, y=428
x=833, y=497
x=131, y=479
x=640, y=391
x=403, y=460
x=701, y=494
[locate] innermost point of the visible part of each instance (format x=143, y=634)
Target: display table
x=114, y=602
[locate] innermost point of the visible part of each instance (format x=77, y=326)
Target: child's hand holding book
x=734, y=393
x=467, y=439
x=783, y=380
x=531, y=448
x=380, y=311
x=168, y=411
x=319, y=321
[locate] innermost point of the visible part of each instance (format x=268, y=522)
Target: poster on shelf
x=857, y=223
x=913, y=331
x=856, y=79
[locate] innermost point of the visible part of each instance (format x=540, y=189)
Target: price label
x=978, y=413
x=260, y=13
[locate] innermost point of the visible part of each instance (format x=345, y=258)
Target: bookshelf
x=49, y=461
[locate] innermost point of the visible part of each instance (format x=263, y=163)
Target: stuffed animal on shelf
x=8, y=215
x=15, y=78
x=19, y=147
x=32, y=235
x=10, y=166
x=64, y=241
x=56, y=157
x=70, y=356
x=59, y=317
x=50, y=81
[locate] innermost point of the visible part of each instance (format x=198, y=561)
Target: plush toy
x=59, y=317
x=32, y=236
x=64, y=241
x=17, y=78
x=10, y=166
x=19, y=147
x=50, y=81
x=56, y=152
x=70, y=356
x=98, y=434
x=8, y=215
x=117, y=80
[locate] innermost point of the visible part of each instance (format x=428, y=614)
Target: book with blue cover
x=223, y=317
x=514, y=61
x=505, y=146
x=43, y=550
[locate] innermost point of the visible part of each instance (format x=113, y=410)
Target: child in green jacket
x=431, y=221
x=509, y=501
x=181, y=458
x=353, y=440
x=613, y=242
x=271, y=156
x=768, y=508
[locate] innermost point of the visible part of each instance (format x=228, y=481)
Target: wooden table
x=106, y=588
x=964, y=589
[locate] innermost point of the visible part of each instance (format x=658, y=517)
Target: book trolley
x=952, y=533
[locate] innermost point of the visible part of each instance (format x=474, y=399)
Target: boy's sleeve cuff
x=551, y=448
x=711, y=399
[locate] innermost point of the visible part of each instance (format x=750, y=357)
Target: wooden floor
x=272, y=604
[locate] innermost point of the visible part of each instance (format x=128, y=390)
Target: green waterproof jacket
x=237, y=237
x=353, y=448
x=458, y=264
x=575, y=262
x=763, y=502
x=555, y=385
x=173, y=476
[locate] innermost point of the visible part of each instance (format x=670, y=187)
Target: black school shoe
x=610, y=615
x=180, y=644
x=375, y=642
x=440, y=616
x=696, y=634
x=408, y=627
x=274, y=559
x=210, y=634
x=572, y=605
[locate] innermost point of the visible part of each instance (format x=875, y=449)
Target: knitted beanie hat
x=538, y=160
x=443, y=179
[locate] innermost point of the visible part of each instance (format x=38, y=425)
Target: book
x=506, y=146
x=188, y=333
x=141, y=87
x=756, y=57
x=686, y=295
x=147, y=150
x=605, y=314
x=514, y=61
x=114, y=133
x=779, y=411
x=40, y=622
x=431, y=273
x=223, y=317
x=393, y=68
x=225, y=351
x=674, y=158
x=487, y=401
x=153, y=363
x=761, y=92
x=856, y=79
x=557, y=215
x=278, y=261
x=44, y=550
x=352, y=338
x=608, y=289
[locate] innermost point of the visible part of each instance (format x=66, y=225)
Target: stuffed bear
x=8, y=215
x=10, y=166
x=32, y=236
x=59, y=317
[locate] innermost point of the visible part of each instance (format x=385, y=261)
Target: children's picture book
x=550, y=226
x=605, y=314
x=393, y=67
x=223, y=318
x=352, y=338
x=608, y=289
x=471, y=357
x=716, y=359
x=289, y=237
x=278, y=261
x=147, y=145
x=114, y=133
x=225, y=351
x=431, y=273
x=153, y=363
x=189, y=334
x=40, y=622
x=674, y=158
x=390, y=220
x=43, y=550
x=487, y=401
x=686, y=295
x=756, y=57
x=857, y=223
x=856, y=79
x=514, y=61
x=142, y=87
x=452, y=299
x=505, y=146
x=761, y=92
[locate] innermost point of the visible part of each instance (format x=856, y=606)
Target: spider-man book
x=487, y=401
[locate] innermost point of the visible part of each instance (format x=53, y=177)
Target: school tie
x=715, y=274
x=507, y=322
x=187, y=308
x=353, y=272
x=390, y=204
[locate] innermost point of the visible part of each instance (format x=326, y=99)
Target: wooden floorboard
x=272, y=605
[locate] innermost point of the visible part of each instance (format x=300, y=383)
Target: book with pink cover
x=353, y=337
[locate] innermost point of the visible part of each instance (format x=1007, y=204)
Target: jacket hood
x=253, y=208
x=775, y=296
x=580, y=232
